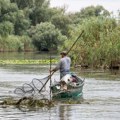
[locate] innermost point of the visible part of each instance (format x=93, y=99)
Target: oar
x=67, y=53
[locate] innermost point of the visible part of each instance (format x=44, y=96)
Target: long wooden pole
x=49, y=77
x=75, y=41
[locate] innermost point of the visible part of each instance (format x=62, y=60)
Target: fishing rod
x=49, y=77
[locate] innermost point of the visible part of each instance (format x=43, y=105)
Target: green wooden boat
x=72, y=92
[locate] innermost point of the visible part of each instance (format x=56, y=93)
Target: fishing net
x=34, y=87
x=33, y=94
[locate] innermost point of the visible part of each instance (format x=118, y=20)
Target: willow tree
x=62, y=22
x=88, y=12
x=23, y=3
x=46, y=36
x=11, y=13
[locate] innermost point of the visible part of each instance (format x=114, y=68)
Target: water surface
x=101, y=97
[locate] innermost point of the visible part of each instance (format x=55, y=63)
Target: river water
x=101, y=96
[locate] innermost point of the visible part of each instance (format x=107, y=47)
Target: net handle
x=49, y=77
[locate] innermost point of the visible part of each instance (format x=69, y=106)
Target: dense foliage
x=28, y=25
x=100, y=44
x=21, y=23
x=45, y=35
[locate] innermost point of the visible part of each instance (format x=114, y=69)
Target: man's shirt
x=64, y=64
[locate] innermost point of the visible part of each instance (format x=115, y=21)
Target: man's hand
x=51, y=70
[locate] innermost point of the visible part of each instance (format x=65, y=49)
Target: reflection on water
x=24, y=55
x=101, y=97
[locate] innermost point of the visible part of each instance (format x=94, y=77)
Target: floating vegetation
x=18, y=62
x=27, y=103
x=30, y=103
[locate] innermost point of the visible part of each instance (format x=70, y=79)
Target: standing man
x=63, y=65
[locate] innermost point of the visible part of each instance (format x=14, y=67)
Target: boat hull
x=68, y=94
x=72, y=93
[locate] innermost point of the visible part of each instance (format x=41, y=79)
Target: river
x=101, y=96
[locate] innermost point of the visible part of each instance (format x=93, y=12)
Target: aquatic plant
x=27, y=103
x=26, y=61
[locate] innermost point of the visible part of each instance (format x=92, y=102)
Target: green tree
x=11, y=14
x=27, y=43
x=22, y=23
x=7, y=11
x=90, y=11
x=39, y=12
x=62, y=22
x=45, y=35
x=6, y=28
x=23, y=3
